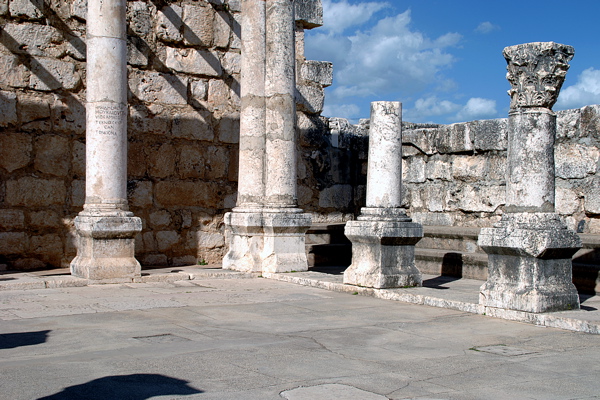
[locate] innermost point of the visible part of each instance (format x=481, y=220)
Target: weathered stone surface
x=222, y=29
x=413, y=170
x=141, y=194
x=232, y=63
x=178, y=193
x=575, y=161
x=137, y=52
x=169, y=24
x=469, y=168
x=236, y=42
x=3, y=7
x=229, y=128
x=149, y=119
x=481, y=198
x=454, y=138
x=13, y=242
x=536, y=72
x=33, y=39
x=8, y=108
x=28, y=9
x=79, y=9
x=439, y=169
x=199, y=89
x=216, y=162
x=309, y=13
x=156, y=87
x=567, y=201
x=68, y=114
x=52, y=155
x=34, y=192
x=337, y=196
x=15, y=151
x=192, y=125
x=44, y=219
x=140, y=17
x=209, y=240
x=78, y=193
x=190, y=163
x=592, y=196
x=160, y=219
x=11, y=219
x=490, y=134
x=15, y=74
x=161, y=160
x=198, y=25
x=319, y=72
x=422, y=139
x=165, y=240
x=218, y=94
x=31, y=107
x=310, y=99
x=193, y=61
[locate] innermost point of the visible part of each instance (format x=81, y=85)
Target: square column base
x=383, y=254
x=106, y=248
x=267, y=241
x=529, y=265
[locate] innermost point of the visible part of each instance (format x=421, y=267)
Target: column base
x=529, y=264
x=383, y=253
x=106, y=248
x=267, y=241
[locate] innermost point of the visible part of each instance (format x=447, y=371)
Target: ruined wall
x=454, y=175
x=183, y=66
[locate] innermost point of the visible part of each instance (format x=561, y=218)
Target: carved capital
x=536, y=72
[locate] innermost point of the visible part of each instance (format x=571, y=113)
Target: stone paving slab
x=442, y=292
x=263, y=339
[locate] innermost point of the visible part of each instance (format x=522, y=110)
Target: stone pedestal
x=530, y=249
x=105, y=227
x=266, y=230
x=530, y=264
x=384, y=237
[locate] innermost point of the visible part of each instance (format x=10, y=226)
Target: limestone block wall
x=183, y=68
x=454, y=175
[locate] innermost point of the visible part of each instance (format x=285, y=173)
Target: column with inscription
x=105, y=227
x=530, y=249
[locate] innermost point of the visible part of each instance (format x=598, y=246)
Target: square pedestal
x=266, y=241
x=106, y=248
x=529, y=268
x=383, y=254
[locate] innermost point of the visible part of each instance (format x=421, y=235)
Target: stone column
x=530, y=249
x=105, y=227
x=267, y=229
x=384, y=237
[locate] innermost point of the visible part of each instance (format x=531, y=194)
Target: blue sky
x=443, y=59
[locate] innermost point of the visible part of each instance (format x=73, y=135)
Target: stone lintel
x=106, y=248
x=383, y=253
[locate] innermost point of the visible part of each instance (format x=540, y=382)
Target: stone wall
x=183, y=66
x=454, y=175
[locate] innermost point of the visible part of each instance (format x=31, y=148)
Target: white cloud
x=477, y=108
x=429, y=107
x=390, y=57
x=486, y=27
x=586, y=91
x=349, y=111
x=342, y=15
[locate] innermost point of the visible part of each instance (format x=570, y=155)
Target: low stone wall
x=455, y=175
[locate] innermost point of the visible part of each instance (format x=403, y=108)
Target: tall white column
x=384, y=237
x=105, y=227
x=530, y=249
x=267, y=230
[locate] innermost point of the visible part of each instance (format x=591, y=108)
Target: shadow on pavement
x=126, y=387
x=12, y=340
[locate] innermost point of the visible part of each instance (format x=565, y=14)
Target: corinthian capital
x=536, y=72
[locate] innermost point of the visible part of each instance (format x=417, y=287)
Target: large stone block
x=310, y=98
x=591, y=195
x=13, y=242
x=319, y=72
x=140, y=17
x=575, y=161
x=79, y=9
x=185, y=193
x=216, y=162
x=44, y=219
x=193, y=125
x=166, y=240
x=422, y=139
x=480, y=198
x=454, y=138
x=15, y=151
x=222, y=29
x=33, y=107
x=27, y=9
x=156, y=87
x=309, y=13
x=32, y=39
x=469, y=168
x=11, y=219
x=198, y=25
x=14, y=73
x=336, y=196
x=68, y=114
x=169, y=24
x=489, y=134
x=190, y=163
x=8, y=108
x=140, y=195
x=161, y=160
x=52, y=155
x=35, y=192
x=194, y=61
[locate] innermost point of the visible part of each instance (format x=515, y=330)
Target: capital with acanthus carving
x=536, y=72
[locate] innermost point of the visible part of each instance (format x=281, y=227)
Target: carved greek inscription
x=109, y=119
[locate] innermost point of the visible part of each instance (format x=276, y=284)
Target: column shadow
x=20, y=339
x=130, y=387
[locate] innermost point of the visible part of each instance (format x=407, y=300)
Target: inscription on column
x=109, y=118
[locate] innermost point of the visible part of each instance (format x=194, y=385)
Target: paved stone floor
x=258, y=338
